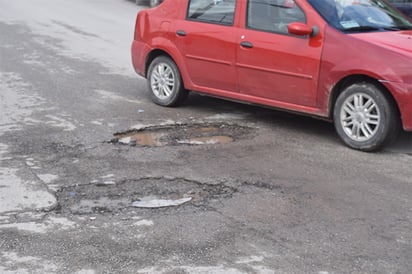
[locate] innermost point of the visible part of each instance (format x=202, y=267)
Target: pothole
x=185, y=134
x=124, y=195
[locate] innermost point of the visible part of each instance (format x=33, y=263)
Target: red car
x=346, y=61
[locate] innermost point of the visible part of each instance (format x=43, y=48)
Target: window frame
x=247, y=25
x=188, y=18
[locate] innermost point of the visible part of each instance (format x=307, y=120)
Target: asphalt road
x=94, y=178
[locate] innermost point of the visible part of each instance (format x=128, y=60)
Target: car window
x=361, y=15
x=212, y=11
x=405, y=6
x=273, y=15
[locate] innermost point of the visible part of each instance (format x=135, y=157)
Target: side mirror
x=302, y=29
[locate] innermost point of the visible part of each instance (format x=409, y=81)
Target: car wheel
x=365, y=117
x=165, y=83
x=154, y=3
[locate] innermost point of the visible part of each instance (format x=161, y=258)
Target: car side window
x=212, y=11
x=273, y=15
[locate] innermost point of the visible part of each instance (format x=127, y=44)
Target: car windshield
x=361, y=15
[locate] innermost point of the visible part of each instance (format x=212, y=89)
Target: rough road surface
x=94, y=178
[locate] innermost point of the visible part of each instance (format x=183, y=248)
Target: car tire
x=165, y=83
x=365, y=117
x=154, y=3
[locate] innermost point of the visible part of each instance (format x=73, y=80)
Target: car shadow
x=403, y=144
x=289, y=121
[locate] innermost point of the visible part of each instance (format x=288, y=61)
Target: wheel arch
x=160, y=52
x=353, y=124
x=358, y=78
x=152, y=55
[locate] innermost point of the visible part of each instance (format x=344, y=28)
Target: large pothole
x=121, y=196
x=182, y=134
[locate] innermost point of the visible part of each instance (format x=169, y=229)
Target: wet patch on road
x=74, y=29
x=182, y=134
x=124, y=195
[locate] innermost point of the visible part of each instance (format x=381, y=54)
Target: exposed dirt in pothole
x=184, y=134
x=115, y=197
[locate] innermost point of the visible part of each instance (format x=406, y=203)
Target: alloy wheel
x=163, y=81
x=360, y=117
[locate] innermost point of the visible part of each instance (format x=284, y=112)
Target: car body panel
x=278, y=67
x=207, y=56
x=399, y=41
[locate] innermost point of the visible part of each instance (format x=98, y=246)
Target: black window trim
x=187, y=18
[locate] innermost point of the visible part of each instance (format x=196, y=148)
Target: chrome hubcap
x=162, y=81
x=360, y=117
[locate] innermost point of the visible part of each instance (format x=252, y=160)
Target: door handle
x=246, y=44
x=181, y=33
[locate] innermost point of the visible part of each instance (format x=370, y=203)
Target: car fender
x=337, y=68
x=165, y=45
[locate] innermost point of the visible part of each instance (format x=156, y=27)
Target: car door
x=208, y=45
x=273, y=64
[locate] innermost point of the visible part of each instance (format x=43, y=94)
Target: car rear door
x=273, y=64
x=206, y=40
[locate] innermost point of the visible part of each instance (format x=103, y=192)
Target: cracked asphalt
x=281, y=194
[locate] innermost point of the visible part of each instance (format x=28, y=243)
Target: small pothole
x=99, y=198
x=185, y=134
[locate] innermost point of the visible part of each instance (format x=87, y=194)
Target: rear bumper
x=140, y=50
